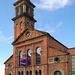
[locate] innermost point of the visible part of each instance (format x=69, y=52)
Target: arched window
x=36, y=72
x=20, y=56
x=40, y=73
x=10, y=74
x=38, y=55
x=30, y=72
x=16, y=24
x=21, y=26
x=57, y=73
x=29, y=57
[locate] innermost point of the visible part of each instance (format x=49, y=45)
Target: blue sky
x=54, y=16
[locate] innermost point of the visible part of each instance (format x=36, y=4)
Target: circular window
x=56, y=59
x=28, y=34
x=9, y=65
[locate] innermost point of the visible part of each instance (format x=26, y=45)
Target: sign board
x=23, y=61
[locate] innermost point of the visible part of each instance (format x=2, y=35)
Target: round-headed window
x=57, y=73
x=29, y=57
x=20, y=56
x=38, y=55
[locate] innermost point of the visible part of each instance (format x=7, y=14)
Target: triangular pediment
x=28, y=34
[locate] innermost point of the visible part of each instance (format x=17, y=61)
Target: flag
x=23, y=61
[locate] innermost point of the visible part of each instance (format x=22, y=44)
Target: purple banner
x=23, y=61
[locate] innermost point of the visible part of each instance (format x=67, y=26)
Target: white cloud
x=40, y=29
x=3, y=38
x=50, y=29
x=53, y=30
x=54, y=4
x=1, y=69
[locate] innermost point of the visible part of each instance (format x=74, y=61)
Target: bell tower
x=24, y=16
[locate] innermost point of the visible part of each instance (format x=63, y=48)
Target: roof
x=57, y=41
x=8, y=59
x=23, y=0
x=24, y=14
x=71, y=48
x=58, y=50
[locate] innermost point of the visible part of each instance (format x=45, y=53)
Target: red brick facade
x=54, y=56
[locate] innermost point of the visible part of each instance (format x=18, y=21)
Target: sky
x=56, y=17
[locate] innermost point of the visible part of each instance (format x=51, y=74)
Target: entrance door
x=57, y=73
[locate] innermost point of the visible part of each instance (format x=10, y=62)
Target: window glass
x=73, y=56
x=30, y=72
x=20, y=56
x=36, y=72
x=22, y=72
x=73, y=62
x=57, y=73
x=40, y=72
x=27, y=9
x=19, y=73
x=17, y=11
x=73, y=74
x=38, y=55
x=21, y=9
x=29, y=57
x=27, y=73
x=31, y=12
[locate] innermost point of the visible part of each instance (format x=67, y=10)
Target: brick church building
x=44, y=54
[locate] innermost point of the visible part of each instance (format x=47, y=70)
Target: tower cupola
x=22, y=6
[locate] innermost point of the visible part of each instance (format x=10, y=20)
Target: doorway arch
x=57, y=71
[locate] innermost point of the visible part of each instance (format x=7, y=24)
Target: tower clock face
x=28, y=34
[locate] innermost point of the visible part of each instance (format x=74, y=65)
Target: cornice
x=24, y=0
x=24, y=14
x=28, y=40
